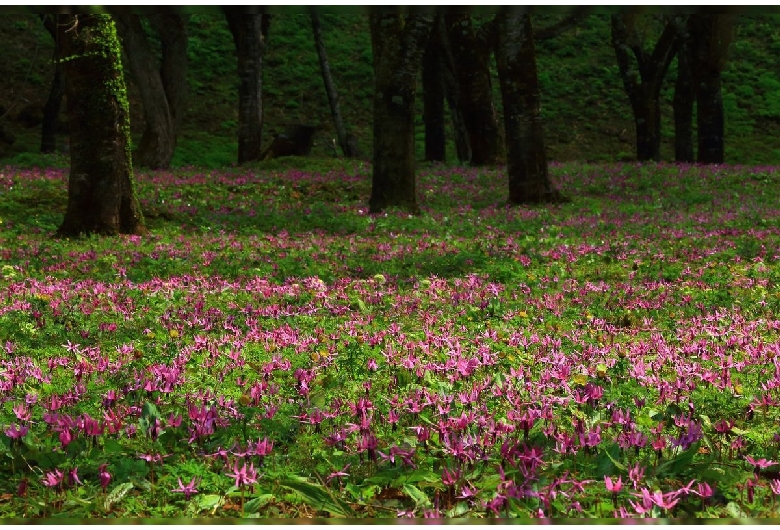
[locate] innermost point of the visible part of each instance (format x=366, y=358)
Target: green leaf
x=257, y=502
x=117, y=494
x=611, y=452
x=417, y=495
x=735, y=511
x=111, y=446
x=209, y=502
x=318, y=497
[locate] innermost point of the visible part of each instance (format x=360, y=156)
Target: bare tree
x=642, y=77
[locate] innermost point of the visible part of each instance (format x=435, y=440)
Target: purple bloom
x=53, y=478
x=15, y=432
x=189, y=490
x=104, y=476
x=613, y=487
x=243, y=476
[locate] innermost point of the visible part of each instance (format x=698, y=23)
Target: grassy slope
x=586, y=110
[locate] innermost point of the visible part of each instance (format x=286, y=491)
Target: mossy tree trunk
x=249, y=34
x=471, y=50
x=101, y=190
x=529, y=181
x=398, y=43
x=161, y=84
x=643, y=77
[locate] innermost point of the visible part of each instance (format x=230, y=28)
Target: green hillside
x=586, y=112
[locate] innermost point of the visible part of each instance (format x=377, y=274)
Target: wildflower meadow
x=272, y=350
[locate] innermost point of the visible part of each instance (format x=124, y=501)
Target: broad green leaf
x=210, y=501
x=735, y=511
x=318, y=497
x=417, y=495
x=117, y=494
x=257, y=502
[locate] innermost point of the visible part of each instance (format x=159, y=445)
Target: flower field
x=271, y=350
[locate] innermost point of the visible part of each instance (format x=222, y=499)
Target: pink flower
x=762, y=463
x=243, y=476
x=614, y=487
x=53, y=478
x=704, y=490
x=187, y=490
x=104, y=476
x=338, y=474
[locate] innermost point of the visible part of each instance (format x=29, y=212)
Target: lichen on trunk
x=101, y=190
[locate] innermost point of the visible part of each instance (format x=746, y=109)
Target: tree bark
x=449, y=84
x=101, y=190
x=330, y=87
x=51, y=109
x=158, y=141
x=643, y=80
x=433, y=100
x=249, y=32
x=172, y=30
x=712, y=35
x=684, y=98
x=398, y=45
x=529, y=180
x=472, y=56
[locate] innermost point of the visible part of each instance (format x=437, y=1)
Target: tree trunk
x=51, y=113
x=398, y=47
x=433, y=101
x=452, y=91
x=158, y=141
x=643, y=80
x=709, y=119
x=172, y=30
x=101, y=192
x=529, y=181
x=684, y=97
x=647, y=122
x=472, y=56
x=712, y=35
x=51, y=109
x=249, y=32
x=330, y=87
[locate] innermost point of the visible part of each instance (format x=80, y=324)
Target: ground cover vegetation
x=271, y=350
x=586, y=114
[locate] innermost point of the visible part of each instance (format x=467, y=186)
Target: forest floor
x=271, y=350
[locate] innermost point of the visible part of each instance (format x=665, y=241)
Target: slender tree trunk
x=398, y=47
x=158, y=141
x=529, y=180
x=249, y=32
x=684, y=97
x=472, y=56
x=433, y=101
x=101, y=192
x=51, y=109
x=330, y=87
x=452, y=91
